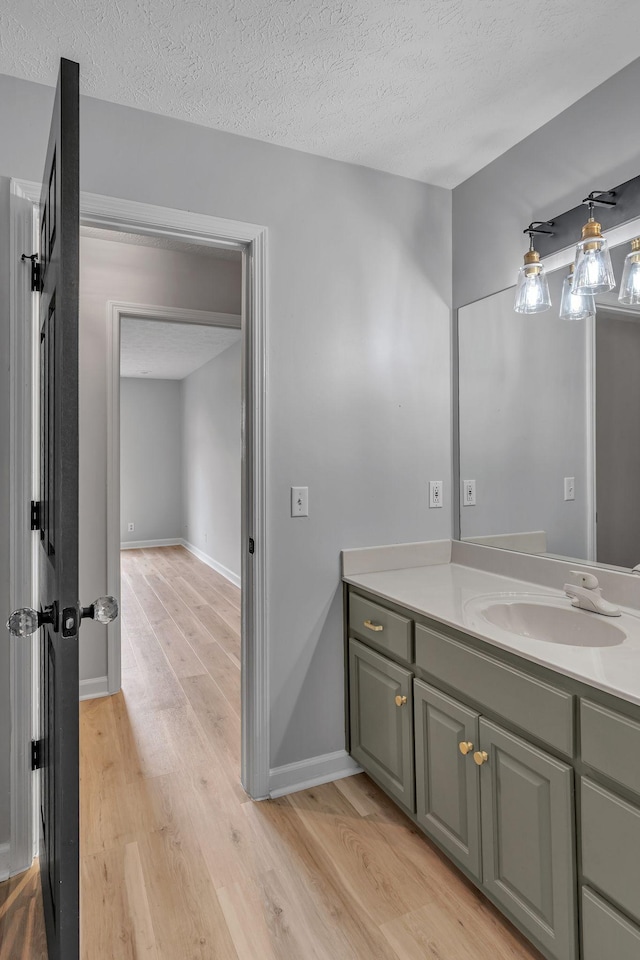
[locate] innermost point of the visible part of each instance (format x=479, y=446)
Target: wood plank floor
x=22, y=935
x=178, y=864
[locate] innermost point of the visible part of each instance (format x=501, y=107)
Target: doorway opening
x=174, y=518
x=158, y=225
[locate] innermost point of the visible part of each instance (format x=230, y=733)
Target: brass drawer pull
x=376, y=627
x=465, y=747
x=400, y=701
x=480, y=757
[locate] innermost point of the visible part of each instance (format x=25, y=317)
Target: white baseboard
x=310, y=773
x=139, y=544
x=5, y=861
x=210, y=562
x=95, y=687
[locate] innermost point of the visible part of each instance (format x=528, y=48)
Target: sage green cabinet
x=527, y=837
x=447, y=779
x=504, y=810
x=381, y=715
x=611, y=846
x=605, y=932
x=504, y=807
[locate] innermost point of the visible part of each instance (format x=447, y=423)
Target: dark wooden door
x=58, y=534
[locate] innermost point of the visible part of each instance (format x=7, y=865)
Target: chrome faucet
x=588, y=595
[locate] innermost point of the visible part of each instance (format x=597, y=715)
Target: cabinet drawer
x=605, y=932
x=380, y=627
x=535, y=706
x=610, y=743
x=611, y=846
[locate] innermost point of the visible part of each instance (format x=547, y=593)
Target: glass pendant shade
x=630, y=284
x=575, y=306
x=532, y=289
x=593, y=272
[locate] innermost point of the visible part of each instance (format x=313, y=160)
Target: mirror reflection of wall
x=549, y=427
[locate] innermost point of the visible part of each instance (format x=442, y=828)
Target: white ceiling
x=162, y=350
x=164, y=243
x=431, y=89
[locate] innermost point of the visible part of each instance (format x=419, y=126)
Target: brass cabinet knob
x=480, y=757
x=465, y=747
x=400, y=701
x=376, y=627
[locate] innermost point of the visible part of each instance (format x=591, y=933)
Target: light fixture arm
x=596, y=199
x=535, y=227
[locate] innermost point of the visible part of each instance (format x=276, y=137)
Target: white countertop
x=449, y=593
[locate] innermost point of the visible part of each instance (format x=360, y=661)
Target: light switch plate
x=299, y=501
x=569, y=488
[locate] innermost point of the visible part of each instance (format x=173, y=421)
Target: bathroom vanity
x=506, y=724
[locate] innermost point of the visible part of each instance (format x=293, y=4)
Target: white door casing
x=131, y=216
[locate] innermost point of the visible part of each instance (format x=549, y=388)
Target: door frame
x=135, y=217
x=24, y=197
x=116, y=310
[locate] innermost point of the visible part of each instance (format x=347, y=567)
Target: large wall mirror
x=549, y=426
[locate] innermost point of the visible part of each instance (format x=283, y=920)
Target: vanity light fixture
x=532, y=289
x=630, y=284
x=593, y=269
x=576, y=306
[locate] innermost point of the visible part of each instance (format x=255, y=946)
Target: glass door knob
x=104, y=610
x=25, y=621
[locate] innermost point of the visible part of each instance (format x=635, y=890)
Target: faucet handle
x=587, y=580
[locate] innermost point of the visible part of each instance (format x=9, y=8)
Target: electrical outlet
x=468, y=493
x=569, y=488
x=131, y=527
x=435, y=493
x=299, y=501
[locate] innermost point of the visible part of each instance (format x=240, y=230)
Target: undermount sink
x=550, y=620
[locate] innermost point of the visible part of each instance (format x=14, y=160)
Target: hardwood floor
x=22, y=934
x=178, y=864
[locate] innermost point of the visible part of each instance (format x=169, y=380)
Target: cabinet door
x=447, y=780
x=528, y=837
x=381, y=710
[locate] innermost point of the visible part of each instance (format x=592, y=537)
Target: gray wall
x=591, y=145
x=150, y=459
x=358, y=351
x=523, y=421
x=212, y=458
x=132, y=274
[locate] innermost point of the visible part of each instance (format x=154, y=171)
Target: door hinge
x=36, y=754
x=35, y=515
x=36, y=271
x=252, y=545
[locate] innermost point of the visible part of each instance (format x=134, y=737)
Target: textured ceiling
x=430, y=89
x=164, y=243
x=161, y=350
